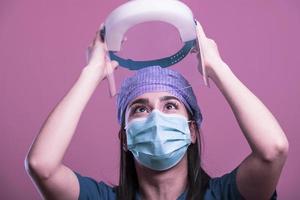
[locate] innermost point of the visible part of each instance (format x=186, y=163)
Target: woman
x=159, y=137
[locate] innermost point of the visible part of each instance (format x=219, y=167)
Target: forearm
x=49, y=147
x=262, y=131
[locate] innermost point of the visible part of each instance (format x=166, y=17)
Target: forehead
x=153, y=96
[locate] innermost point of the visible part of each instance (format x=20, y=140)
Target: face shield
x=135, y=12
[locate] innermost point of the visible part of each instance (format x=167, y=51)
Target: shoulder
x=225, y=188
x=91, y=189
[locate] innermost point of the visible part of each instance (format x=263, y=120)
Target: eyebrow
x=139, y=101
x=166, y=98
x=146, y=101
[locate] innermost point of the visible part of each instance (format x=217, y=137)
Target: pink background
x=42, y=52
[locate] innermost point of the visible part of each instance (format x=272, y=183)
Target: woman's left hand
x=207, y=53
x=261, y=169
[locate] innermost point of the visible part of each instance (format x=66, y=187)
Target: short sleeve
x=225, y=188
x=90, y=189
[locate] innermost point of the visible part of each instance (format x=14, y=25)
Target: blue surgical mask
x=158, y=141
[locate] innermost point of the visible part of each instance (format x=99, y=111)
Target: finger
x=97, y=37
x=200, y=31
x=99, y=32
x=124, y=40
x=101, y=26
x=111, y=79
x=94, y=41
x=87, y=55
x=114, y=64
x=195, y=50
x=202, y=39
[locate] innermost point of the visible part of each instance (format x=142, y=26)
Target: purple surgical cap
x=158, y=79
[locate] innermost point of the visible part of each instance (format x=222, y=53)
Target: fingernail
x=101, y=26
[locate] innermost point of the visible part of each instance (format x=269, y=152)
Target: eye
x=140, y=109
x=171, y=106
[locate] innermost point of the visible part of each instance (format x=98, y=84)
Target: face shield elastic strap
x=163, y=62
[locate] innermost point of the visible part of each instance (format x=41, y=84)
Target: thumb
x=114, y=64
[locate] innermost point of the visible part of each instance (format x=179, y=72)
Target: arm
x=258, y=174
x=44, y=160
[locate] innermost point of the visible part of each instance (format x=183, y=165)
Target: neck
x=168, y=184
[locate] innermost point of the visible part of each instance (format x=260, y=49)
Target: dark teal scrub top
x=223, y=187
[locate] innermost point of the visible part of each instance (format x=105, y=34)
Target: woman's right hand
x=98, y=62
